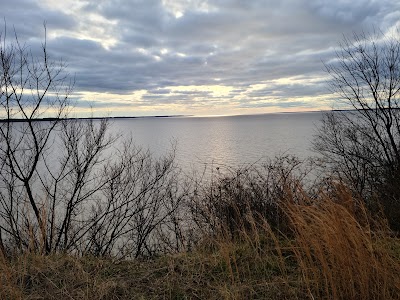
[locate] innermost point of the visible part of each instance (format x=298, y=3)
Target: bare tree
x=31, y=87
x=362, y=145
x=66, y=185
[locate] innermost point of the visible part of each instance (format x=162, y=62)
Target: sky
x=196, y=57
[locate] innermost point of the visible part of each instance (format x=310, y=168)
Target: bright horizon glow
x=134, y=104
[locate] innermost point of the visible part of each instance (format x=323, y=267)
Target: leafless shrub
x=139, y=205
x=234, y=199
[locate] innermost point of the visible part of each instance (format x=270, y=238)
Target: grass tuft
x=342, y=253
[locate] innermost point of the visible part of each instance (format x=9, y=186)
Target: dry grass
x=224, y=273
x=341, y=251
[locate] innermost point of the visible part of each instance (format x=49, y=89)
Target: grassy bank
x=332, y=250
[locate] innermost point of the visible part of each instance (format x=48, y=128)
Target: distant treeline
x=89, y=118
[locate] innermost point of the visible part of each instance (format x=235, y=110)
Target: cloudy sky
x=200, y=57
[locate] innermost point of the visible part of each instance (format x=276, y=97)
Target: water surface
x=231, y=141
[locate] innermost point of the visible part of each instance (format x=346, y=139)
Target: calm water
x=230, y=140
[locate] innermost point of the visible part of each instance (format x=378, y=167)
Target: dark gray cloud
x=120, y=47
x=290, y=91
x=281, y=104
x=27, y=17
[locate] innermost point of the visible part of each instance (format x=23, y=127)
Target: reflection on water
x=224, y=140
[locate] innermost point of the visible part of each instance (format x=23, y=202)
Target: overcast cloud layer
x=152, y=57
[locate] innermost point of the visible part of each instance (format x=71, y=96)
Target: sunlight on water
x=229, y=141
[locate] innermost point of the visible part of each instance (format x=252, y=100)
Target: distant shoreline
x=168, y=116
x=92, y=118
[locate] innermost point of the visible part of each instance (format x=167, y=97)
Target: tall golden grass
x=341, y=251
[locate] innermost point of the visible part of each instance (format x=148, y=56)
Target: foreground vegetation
x=331, y=249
